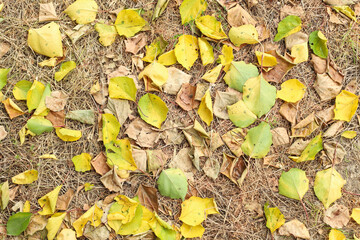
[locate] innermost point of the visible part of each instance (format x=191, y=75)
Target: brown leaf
x=155, y=159
x=255, y=207
x=99, y=164
x=142, y=133
x=148, y=197
x=96, y=233
x=140, y=158
x=233, y=139
x=212, y=168
x=78, y=32
x=56, y=118
x=330, y=147
x=352, y=86
x=334, y=129
x=280, y=70
x=339, y=2
x=337, y=216
x=56, y=101
x=357, y=9
x=295, y=39
x=47, y=12
x=4, y=48
x=326, y=87
x=234, y=168
x=120, y=108
x=263, y=31
x=12, y=109
x=227, y=4
x=135, y=44
x=99, y=93
x=294, y=228
x=37, y=223
x=305, y=127
x=201, y=89
x=214, y=141
x=334, y=18
x=298, y=147
x=13, y=192
x=238, y=16
x=289, y=10
x=64, y=201
x=119, y=72
x=137, y=61
x=273, y=161
x=175, y=80
x=183, y=161
x=186, y=97
x=289, y=111
x=326, y=115
x=280, y=136
x=112, y=181
x=318, y=63
x=222, y=100
x=3, y=133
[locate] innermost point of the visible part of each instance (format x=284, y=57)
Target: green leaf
x=18, y=223
x=259, y=96
x=274, y=218
x=258, y=141
x=162, y=229
x=42, y=110
x=134, y=224
x=239, y=73
x=38, y=125
x=123, y=88
x=34, y=95
x=210, y=27
x=293, y=184
x=289, y=25
x=65, y=68
x=309, y=153
x=83, y=116
x=240, y=115
x=172, y=183
x=317, y=42
x=129, y=22
x=21, y=89
x=3, y=76
x=191, y=9
x=327, y=186
x=152, y=109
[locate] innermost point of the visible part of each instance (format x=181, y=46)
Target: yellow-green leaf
x=240, y=115
x=46, y=40
x=317, y=41
x=356, y=215
x=26, y=177
x=68, y=135
x=210, y=27
x=257, y=141
x=3, y=76
x=65, y=68
x=54, y=224
x=4, y=195
x=186, y=51
x=34, y=95
x=156, y=48
x=93, y=215
x=26, y=207
x=129, y=22
x=42, y=110
x=265, y=59
x=192, y=231
x=119, y=153
x=206, y=51
x=346, y=104
x=37, y=125
x=152, y=109
x=336, y=235
x=168, y=58
x=82, y=11
x=123, y=88
x=239, y=73
x=156, y=73
x=245, y=34
x=347, y=11
x=213, y=74
x=227, y=57
x=48, y=202
x=274, y=218
x=289, y=25
x=293, y=184
x=82, y=162
x=349, y=134
x=107, y=33
x=327, y=186
x=21, y=89
x=88, y=186
x=291, y=91
x=162, y=229
x=205, y=110
x=110, y=128
x=309, y=153
x=191, y=9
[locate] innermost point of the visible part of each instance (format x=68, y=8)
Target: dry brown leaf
x=222, y=100
x=234, y=168
x=194, y=138
x=339, y=2
x=142, y=133
x=120, y=108
x=119, y=72
x=37, y=223
x=12, y=109
x=99, y=93
x=233, y=139
x=212, y=168
x=252, y=3
x=325, y=87
x=56, y=118
x=183, y=161
x=140, y=158
x=318, y=63
x=227, y=4
x=321, y=66
x=330, y=147
x=137, y=61
x=214, y=141
x=186, y=97
x=326, y=115
x=334, y=129
x=289, y=111
x=175, y=80
x=263, y=31
x=201, y=89
x=357, y=9
x=294, y=228
x=13, y=193
x=335, y=18
x=305, y=127
x=292, y=10
x=273, y=161
x=99, y=164
x=148, y=197
x=171, y=133
x=4, y=48
x=280, y=136
x=64, y=201
x=78, y=32
x=112, y=181
x=295, y=39
x=56, y=101
x=282, y=67
x=298, y=147
x=337, y=216
x=96, y=233
x=155, y=159
x=135, y=44
x=238, y=16
x=3, y=133
x=47, y=12
x=352, y=86
x=255, y=207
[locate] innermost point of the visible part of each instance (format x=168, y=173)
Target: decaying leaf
x=305, y=127
x=148, y=198
x=142, y=133
x=280, y=136
x=12, y=109
x=155, y=159
x=99, y=164
x=93, y=215
x=292, y=10
x=234, y=168
x=136, y=43
x=37, y=223
x=238, y=16
x=309, y=153
x=175, y=80
x=112, y=181
x=234, y=139
x=56, y=101
x=119, y=153
x=186, y=97
x=3, y=133
x=183, y=161
x=155, y=76
x=4, y=48
x=334, y=129
x=326, y=87
x=330, y=147
x=222, y=100
x=156, y=48
x=274, y=218
x=4, y=195
x=277, y=73
x=64, y=200
x=241, y=115
x=295, y=228
x=99, y=93
x=119, y=108
x=337, y=216
x=56, y=118
x=47, y=12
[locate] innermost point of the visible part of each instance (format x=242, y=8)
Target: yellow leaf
x=227, y=57
x=191, y=9
x=54, y=224
x=213, y=74
x=82, y=162
x=110, y=127
x=267, y=60
x=206, y=51
x=146, y=217
x=107, y=33
x=26, y=177
x=240, y=114
x=356, y=215
x=210, y=27
x=167, y=58
x=22, y=134
x=291, y=91
x=336, y=235
x=300, y=52
x=156, y=48
x=48, y=156
x=1, y=6
x=48, y=202
x=4, y=195
x=66, y=234
x=347, y=11
x=51, y=62
x=119, y=153
x=21, y=89
x=192, y=231
x=346, y=104
x=42, y=110
x=186, y=51
x=46, y=40
x=88, y=186
x=123, y=88
x=12, y=109
x=274, y=218
x=162, y=229
x=128, y=23
x=200, y=129
x=93, y=215
x=82, y=11
x=65, y=68
x=245, y=34
x=205, y=110
x=195, y=210
x=152, y=109
x=34, y=95
x=156, y=73
x=349, y=134
x=26, y=207
x=68, y=135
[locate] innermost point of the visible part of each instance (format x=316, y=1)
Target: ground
x=235, y=220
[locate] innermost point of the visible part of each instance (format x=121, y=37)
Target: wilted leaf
x=4, y=48
x=26, y=177
x=120, y=108
x=274, y=218
x=280, y=136
x=167, y=58
x=37, y=223
x=205, y=109
x=186, y=97
x=258, y=141
x=123, y=88
x=107, y=33
x=337, y=216
x=213, y=74
x=191, y=10
x=305, y=127
x=289, y=25
x=93, y=215
x=12, y=109
x=83, y=116
x=17, y=223
x=129, y=22
x=240, y=115
x=99, y=93
x=293, y=184
x=148, y=197
x=152, y=109
x=245, y=34
x=175, y=80
x=195, y=210
x=238, y=16
x=56, y=118
x=99, y=164
x=159, y=8
x=111, y=180
x=66, y=234
x=186, y=50
x=210, y=27
x=234, y=168
x=239, y=73
x=55, y=101
x=234, y=139
x=336, y=235
x=39, y=125
x=136, y=43
x=64, y=200
x=65, y=68
x=68, y=135
x=310, y=151
x=142, y=133
x=291, y=91
x=277, y=73
x=317, y=42
x=326, y=87
x=48, y=202
x=346, y=104
x=21, y=89
x=183, y=162
x=295, y=228
x=156, y=48
x=54, y=224
x=4, y=195
x=206, y=51
x=172, y=183
x=327, y=186
x=82, y=11
x=47, y=12
x=222, y=100
x=46, y=40
x=3, y=133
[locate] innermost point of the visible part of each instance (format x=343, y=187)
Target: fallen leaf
x=107, y=33
x=93, y=215
x=68, y=135
x=293, y=184
x=156, y=48
x=175, y=80
x=257, y=141
x=82, y=11
x=56, y=118
x=4, y=48
x=245, y=34
x=99, y=164
x=48, y=202
x=195, y=210
x=305, y=127
x=265, y=59
x=191, y=9
x=280, y=136
x=238, y=16
x=99, y=93
x=12, y=109
x=64, y=200
x=222, y=100
x=326, y=87
x=66, y=234
x=291, y=91
x=26, y=177
x=148, y=198
x=82, y=162
x=186, y=50
x=346, y=104
x=152, y=109
x=330, y=147
x=317, y=41
x=277, y=73
x=326, y=115
x=227, y=56
x=234, y=139
x=274, y=218
x=294, y=228
x=186, y=97
x=349, y=134
x=239, y=73
x=234, y=168
x=168, y=58
x=240, y=114
x=54, y=224
x=119, y=153
x=4, y=195
x=310, y=151
x=129, y=22
x=112, y=181
x=172, y=183
x=142, y=133
x=38, y=125
x=47, y=12
x=213, y=74
x=334, y=129
x=189, y=231
x=356, y=215
x=110, y=128
x=183, y=162
x=56, y=101
x=336, y=235
x=155, y=75
x=78, y=32
x=210, y=27
x=120, y=108
x=159, y=8
x=273, y=161
x=21, y=89
x=136, y=43
x=123, y=88
x=17, y=223
x=155, y=159
x=289, y=10
x=65, y=69
x=289, y=25
x=205, y=110
x=347, y=11
x=201, y=89
x=337, y=216
x=37, y=223
x=206, y=51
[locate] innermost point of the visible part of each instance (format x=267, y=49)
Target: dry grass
x=234, y=220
